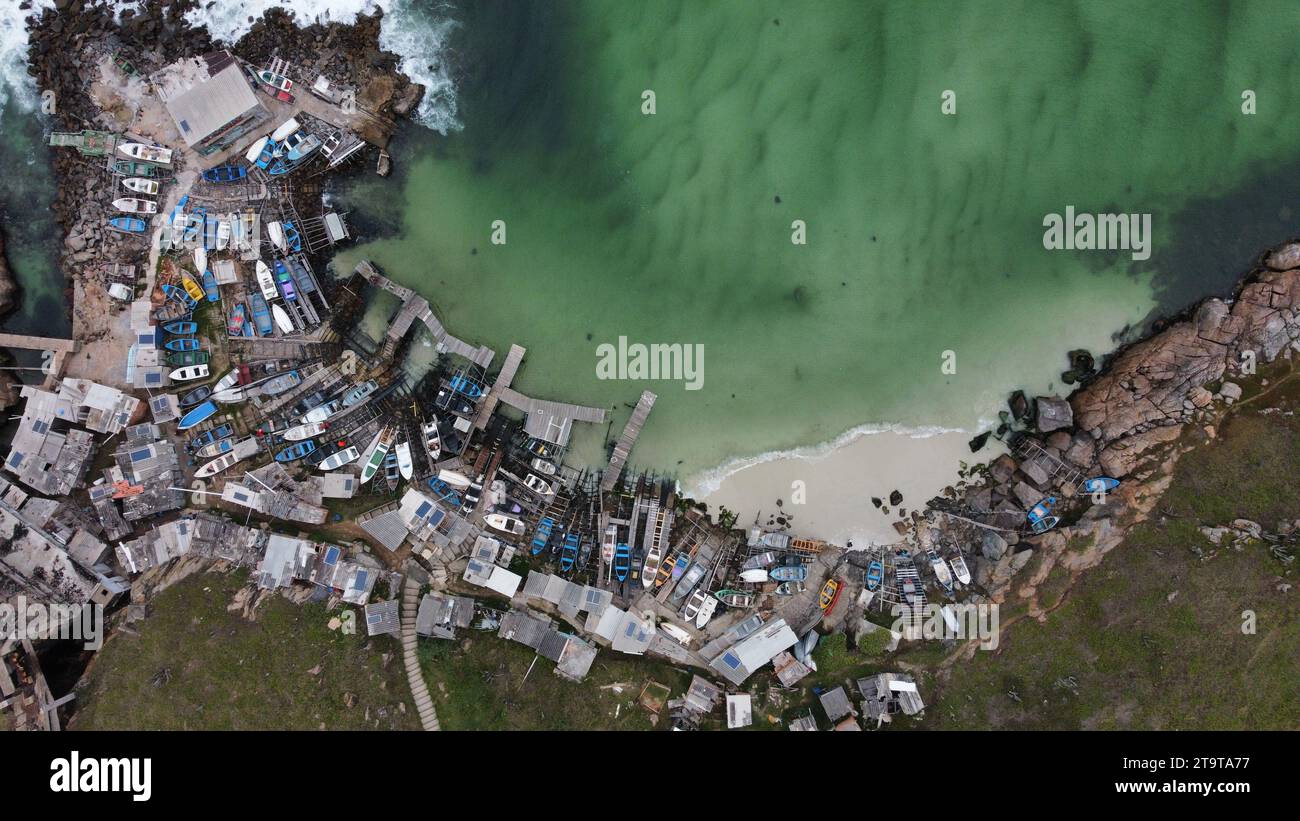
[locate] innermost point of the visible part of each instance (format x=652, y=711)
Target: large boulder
x=1120, y=457
x=1054, y=413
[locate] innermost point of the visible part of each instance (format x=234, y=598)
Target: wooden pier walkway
x=548, y=420
x=38, y=343
x=618, y=459
x=504, y=378
x=415, y=307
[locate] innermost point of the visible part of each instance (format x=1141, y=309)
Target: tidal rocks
x=1054, y=413
x=1019, y=406
x=979, y=441
x=8, y=286
x=895, y=498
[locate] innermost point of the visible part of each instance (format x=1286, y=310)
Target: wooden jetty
x=415, y=307
x=503, y=380
x=618, y=459
x=551, y=421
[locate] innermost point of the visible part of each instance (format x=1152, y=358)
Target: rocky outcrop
x=8, y=285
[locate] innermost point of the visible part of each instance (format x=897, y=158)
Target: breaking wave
x=417, y=34
x=15, y=83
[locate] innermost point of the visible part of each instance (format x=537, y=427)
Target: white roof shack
x=743, y=658
x=740, y=711
x=493, y=577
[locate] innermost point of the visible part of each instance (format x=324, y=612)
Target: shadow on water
x=1215, y=241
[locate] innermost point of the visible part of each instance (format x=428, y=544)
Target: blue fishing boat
x=1100, y=484
x=291, y=236
x=680, y=567
x=875, y=574
x=1040, y=511
x=285, y=281
x=261, y=315
x=182, y=343
x=542, y=536
x=194, y=222
x=444, y=491
x=196, y=396
x=463, y=385
x=569, y=552
x=199, y=414
x=296, y=451
x=788, y=573
x=225, y=173
x=235, y=324
x=181, y=327
x=268, y=154
x=210, y=436
x=178, y=294
x=622, y=562
x=1045, y=524
x=210, y=286
x=131, y=225
x=280, y=167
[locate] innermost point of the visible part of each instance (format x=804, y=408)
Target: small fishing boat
x=504, y=524
x=607, y=546
x=182, y=343
x=321, y=412
x=707, y=609
x=235, y=323
x=432, y=441
x=735, y=598
x=1100, y=484
x=454, y=478
x=300, y=149
x=754, y=575
x=940, y=568
x=1045, y=524
x=676, y=633
x=650, y=569
x=135, y=205
x=338, y=460
x=198, y=415
x=207, y=437
x=376, y=453
x=543, y=467
x=228, y=173
x=404, y=464
x=230, y=380
x=295, y=452
x=140, y=185
x=788, y=573
x=277, y=385
x=286, y=128
x=282, y=320
x=541, y=536
x=146, y=153
x=830, y=593
x=129, y=225
x=126, y=168
x=255, y=150
x=261, y=315
x=216, y=465
x=230, y=396
x=683, y=560
x=192, y=288
x=297, y=433
x=464, y=386
x=444, y=491
x=1041, y=510
x=178, y=294
x=875, y=574
x=210, y=286
x=391, y=473
x=181, y=327
x=189, y=374
x=360, y=392
x=276, y=235
x=266, y=282
x=183, y=359
x=195, y=396
x=291, y=236
x=266, y=155
x=285, y=281
x=215, y=448
x=665, y=570
x=694, y=603
x=569, y=552
x=765, y=559
x=959, y=569
x=790, y=588
x=622, y=562
x=223, y=234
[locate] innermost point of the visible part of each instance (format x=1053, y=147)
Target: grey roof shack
x=210, y=100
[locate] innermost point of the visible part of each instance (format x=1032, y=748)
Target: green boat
x=131, y=168
x=183, y=359
x=735, y=598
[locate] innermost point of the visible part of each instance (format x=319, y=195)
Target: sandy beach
x=839, y=479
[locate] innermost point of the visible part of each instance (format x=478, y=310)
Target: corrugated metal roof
x=210, y=105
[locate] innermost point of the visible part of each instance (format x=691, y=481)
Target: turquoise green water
x=924, y=231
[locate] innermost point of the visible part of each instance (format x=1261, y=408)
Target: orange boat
x=829, y=595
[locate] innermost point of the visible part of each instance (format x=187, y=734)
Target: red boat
x=830, y=594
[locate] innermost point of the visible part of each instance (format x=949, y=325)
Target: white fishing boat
x=706, y=612
x=754, y=576
x=223, y=234
x=376, y=453
x=146, y=153
x=200, y=259
x=135, y=205
x=286, y=128
x=189, y=373
x=282, y=319
x=266, y=282
x=456, y=480
x=693, y=605
x=650, y=570
x=320, y=413
x=230, y=380
x=432, y=441
x=140, y=185
x=676, y=633
x=504, y=523
x=959, y=569
x=940, y=568
x=255, y=150
x=231, y=396
x=217, y=465
x=338, y=460
x=607, y=547
x=213, y=448
x=275, y=232
x=297, y=433
x=404, y=464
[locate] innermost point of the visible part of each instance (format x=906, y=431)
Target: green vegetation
x=197, y=665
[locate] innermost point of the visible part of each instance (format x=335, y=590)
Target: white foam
x=15, y=83
x=418, y=36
